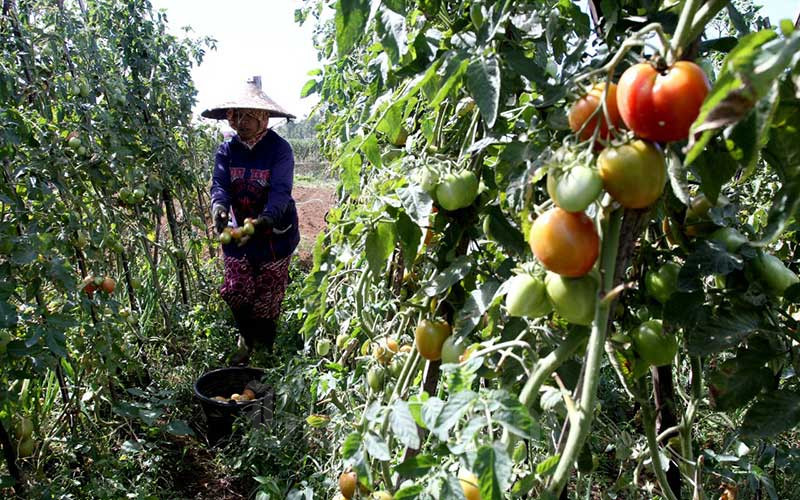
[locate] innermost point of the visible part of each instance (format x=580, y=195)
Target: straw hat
x=251, y=98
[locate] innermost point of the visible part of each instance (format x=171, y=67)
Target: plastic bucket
x=221, y=415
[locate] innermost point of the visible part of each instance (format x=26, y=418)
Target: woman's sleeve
x=221, y=178
x=281, y=180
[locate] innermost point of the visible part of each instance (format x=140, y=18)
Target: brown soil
x=312, y=203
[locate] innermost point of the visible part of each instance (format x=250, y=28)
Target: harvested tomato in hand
x=633, y=174
x=662, y=106
x=429, y=337
x=583, y=108
x=565, y=242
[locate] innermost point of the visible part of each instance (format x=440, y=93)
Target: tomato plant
x=565, y=242
x=633, y=174
x=660, y=105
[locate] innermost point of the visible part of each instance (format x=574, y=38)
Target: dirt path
x=312, y=203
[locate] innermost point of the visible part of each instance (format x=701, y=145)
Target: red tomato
x=633, y=174
x=662, y=106
x=585, y=106
x=565, y=242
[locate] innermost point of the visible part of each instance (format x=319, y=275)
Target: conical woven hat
x=252, y=98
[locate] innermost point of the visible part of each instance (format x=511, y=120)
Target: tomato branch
x=683, y=30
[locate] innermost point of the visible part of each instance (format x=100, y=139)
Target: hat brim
x=221, y=113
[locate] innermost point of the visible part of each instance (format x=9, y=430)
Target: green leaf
x=410, y=235
x=739, y=22
x=409, y=492
x=751, y=135
x=783, y=149
x=391, y=123
x=309, y=88
x=8, y=315
x=483, y=82
x=350, y=20
x=547, y=466
x=678, y=178
x=416, y=466
x=56, y=342
x=372, y=151
x=772, y=413
x=379, y=247
x=715, y=167
x=377, y=447
x=784, y=208
x=454, y=69
x=351, y=172
x=456, y=407
x=493, y=468
x=451, y=488
x=478, y=303
x=179, y=428
x=403, y=425
x=514, y=416
x=724, y=330
x=398, y=6
x=450, y=276
x=351, y=444
x=734, y=384
x=391, y=28
x=498, y=228
x=417, y=203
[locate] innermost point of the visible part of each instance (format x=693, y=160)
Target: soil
x=312, y=203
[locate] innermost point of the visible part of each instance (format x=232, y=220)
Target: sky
x=260, y=37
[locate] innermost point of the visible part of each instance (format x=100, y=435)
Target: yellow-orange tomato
x=584, y=107
x=565, y=242
x=347, y=484
x=633, y=174
x=469, y=484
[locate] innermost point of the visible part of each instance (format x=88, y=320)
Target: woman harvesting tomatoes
x=252, y=192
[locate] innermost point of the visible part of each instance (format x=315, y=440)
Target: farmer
x=252, y=179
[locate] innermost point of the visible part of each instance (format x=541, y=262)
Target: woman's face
x=248, y=122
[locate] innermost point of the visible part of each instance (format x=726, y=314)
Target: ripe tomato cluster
x=93, y=283
x=238, y=235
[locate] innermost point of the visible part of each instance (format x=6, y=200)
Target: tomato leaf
x=350, y=19
x=501, y=230
x=379, y=247
x=416, y=466
x=785, y=206
x=760, y=420
x=733, y=385
x=483, y=82
x=722, y=331
x=377, y=447
x=451, y=488
x=456, y=407
x=461, y=267
x=409, y=492
x=391, y=28
x=179, y=428
x=678, y=177
x=493, y=468
x=430, y=412
x=715, y=167
x=514, y=416
x=351, y=444
x=455, y=66
x=476, y=305
x=417, y=203
x=409, y=235
x=708, y=257
x=750, y=136
x=548, y=465
x=403, y=426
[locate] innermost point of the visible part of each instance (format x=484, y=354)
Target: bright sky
x=260, y=37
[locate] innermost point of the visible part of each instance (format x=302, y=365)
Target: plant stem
x=655, y=457
x=582, y=420
x=683, y=30
x=703, y=15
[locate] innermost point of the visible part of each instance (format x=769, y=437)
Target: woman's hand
x=220, y=215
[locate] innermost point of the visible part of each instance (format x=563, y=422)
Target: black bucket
x=220, y=415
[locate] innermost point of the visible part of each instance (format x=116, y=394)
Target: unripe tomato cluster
x=453, y=190
x=23, y=431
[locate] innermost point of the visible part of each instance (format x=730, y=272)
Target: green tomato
x=375, y=377
x=84, y=89
x=457, y=191
x=323, y=347
x=25, y=448
x=74, y=142
x=23, y=428
x=575, y=189
x=428, y=180
x=452, y=349
x=773, y=273
x=342, y=340
x=730, y=238
x=654, y=346
x=527, y=297
x=662, y=284
x=573, y=298
x=396, y=366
